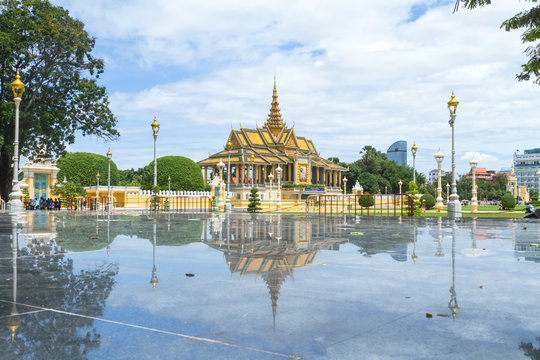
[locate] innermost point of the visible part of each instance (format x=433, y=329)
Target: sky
x=349, y=74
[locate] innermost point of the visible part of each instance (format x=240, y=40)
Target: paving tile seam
x=381, y=325
x=190, y=337
x=21, y=314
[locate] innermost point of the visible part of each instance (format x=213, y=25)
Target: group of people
x=44, y=204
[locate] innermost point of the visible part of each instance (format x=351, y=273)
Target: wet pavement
x=216, y=286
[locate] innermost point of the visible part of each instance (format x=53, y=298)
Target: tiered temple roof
x=274, y=143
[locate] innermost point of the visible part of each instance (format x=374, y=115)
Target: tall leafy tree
x=62, y=98
x=528, y=20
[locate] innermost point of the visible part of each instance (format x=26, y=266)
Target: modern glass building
x=526, y=166
x=398, y=152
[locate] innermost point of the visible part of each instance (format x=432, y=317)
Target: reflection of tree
x=49, y=281
x=383, y=238
x=529, y=350
x=85, y=233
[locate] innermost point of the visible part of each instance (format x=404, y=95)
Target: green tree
x=82, y=168
x=67, y=192
x=254, y=202
x=529, y=20
x=185, y=174
x=54, y=54
x=375, y=172
x=413, y=191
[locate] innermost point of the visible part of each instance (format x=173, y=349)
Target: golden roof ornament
x=274, y=123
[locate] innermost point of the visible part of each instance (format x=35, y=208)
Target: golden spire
x=274, y=123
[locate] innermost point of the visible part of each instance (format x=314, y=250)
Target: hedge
x=508, y=202
x=366, y=200
x=185, y=174
x=430, y=201
x=81, y=168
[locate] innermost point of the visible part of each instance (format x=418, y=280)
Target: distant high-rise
x=398, y=152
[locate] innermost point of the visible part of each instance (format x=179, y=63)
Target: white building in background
x=526, y=166
x=432, y=175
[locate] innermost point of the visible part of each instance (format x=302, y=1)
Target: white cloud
x=348, y=75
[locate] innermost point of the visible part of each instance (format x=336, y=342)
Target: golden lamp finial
x=452, y=104
x=414, y=258
x=109, y=154
x=17, y=86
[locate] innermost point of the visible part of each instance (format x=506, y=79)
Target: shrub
x=508, y=202
x=430, y=200
x=185, y=174
x=413, y=191
x=254, y=201
x=81, y=168
x=366, y=200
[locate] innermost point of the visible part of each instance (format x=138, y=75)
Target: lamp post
x=474, y=201
x=439, y=156
x=220, y=167
x=454, y=206
x=109, y=156
x=15, y=204
x=271, y=178
x=447, y=193
x=169, y=180
x=413, y=150
x=278, y=172
x=344, y=191
x=400, y=183
x=538, y=175
x=97, y=191
x=228, y=200
x=155, y=130
x=251, y=160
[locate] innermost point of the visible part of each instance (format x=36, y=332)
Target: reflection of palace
x=271, y=249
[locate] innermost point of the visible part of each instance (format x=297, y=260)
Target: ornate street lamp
x=228, y=147
x=97, y=191
x=344, y=191
x=169, y=180
x=155, y=130
x=252, y=160
x=454, y=206
x=413, y=150
x=439, y=156
x=271, y=177
x=447, y=193
x=400, y=183
x=278, y=172
x=474, y=202
x=15, y=204
x=109, y=156
x=220, y=167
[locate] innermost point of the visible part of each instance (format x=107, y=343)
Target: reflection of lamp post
x=15, y=204
x=439, y=156
x=97, y=191
x=109, y=156
x=155, y=130
x=474, y=202
x=400, y=183
x=413, y=150
x=538, y=175
x=154, y=279
x=414, y=257
x=452, y=304
x=228, y=147
x=439, y=252
x=278, y=172
x=108, y=235
x=454, y=206
x=14, y=320
x=251, y=160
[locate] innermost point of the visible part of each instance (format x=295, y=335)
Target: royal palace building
x=271, y=156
